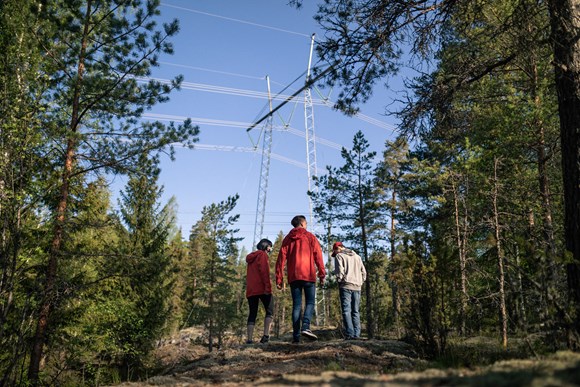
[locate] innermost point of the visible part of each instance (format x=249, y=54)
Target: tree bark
x=547, y=261
x=565, y=26
x=393, y=283
x=461, y=239
x=368, y=290
x=50, y=290
x=500, y=264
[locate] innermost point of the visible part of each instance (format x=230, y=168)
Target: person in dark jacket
x=350, y=275
x=259, y=288
x=302, y=251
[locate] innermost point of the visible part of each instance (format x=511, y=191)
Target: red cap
x=335, y=247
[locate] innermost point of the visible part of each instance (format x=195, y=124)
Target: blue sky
x=225, y=50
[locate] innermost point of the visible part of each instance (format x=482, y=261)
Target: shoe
x=295, y=341
x=308, y=334
x=249, y=342
x=264, y=339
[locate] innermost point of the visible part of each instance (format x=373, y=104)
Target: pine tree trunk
x=393, y=283
x=211, y=301
x=548, y=259
x=500, y=264
x=49, y=293
x=520, y=299
x=460, y=239
x=368, y=290
x=565, y=24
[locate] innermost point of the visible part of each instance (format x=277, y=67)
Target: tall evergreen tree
x=390, y=173
x=146, y=267
x=96, y=55
x=178, y=250
x=214, y=245
x=23, y=182
x=81, y=322
x=354, y=203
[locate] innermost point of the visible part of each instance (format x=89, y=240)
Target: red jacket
x=258, y=274
x=302, y=251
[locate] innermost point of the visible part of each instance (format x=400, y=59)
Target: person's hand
x=321, y=281
x=279, y=286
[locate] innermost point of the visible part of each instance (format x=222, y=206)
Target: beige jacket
x=349, y=270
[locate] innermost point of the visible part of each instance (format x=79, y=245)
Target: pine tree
x=96, y=53
x=354, y=198
x=390, y=173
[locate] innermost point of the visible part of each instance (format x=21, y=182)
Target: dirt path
x=336, y=362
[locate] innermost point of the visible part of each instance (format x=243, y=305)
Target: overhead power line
x=263, y=95
x=235, y=20
x=307, y=84
x=230, y=148
x=213, y=71
x=238, y=124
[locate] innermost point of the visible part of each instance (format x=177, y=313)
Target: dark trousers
x=253, y=301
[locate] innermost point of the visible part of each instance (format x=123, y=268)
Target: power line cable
x=237, y=124
x=215, y=71
x=235, y=20
x=306, y=85
x=258, y=94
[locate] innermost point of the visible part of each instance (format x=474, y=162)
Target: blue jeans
x=350, y=302
x=296, y=289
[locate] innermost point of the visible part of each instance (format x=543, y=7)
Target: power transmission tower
x=311, y=163
x=264, y=173
x=310, y=137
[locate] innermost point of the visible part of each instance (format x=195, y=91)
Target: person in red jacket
x=259, y=288
x=301, y=250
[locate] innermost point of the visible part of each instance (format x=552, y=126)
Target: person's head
x=264, y=245
x=336, y=248
x=298, y=221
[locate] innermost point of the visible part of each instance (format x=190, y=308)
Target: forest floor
x=331, y=361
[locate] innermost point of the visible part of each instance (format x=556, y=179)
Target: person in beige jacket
x=350, y=274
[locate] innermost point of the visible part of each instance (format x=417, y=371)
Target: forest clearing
x=331, y=361
x=454, y=239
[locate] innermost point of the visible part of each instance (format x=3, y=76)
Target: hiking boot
x=249, y=342
x=264, y=339
x=308, y=334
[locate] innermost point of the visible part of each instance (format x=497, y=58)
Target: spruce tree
x=146, y=267
x=214, y=249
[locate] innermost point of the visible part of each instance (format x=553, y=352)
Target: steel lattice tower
x=310, y=136
x=264, y=173
x=311, y=162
